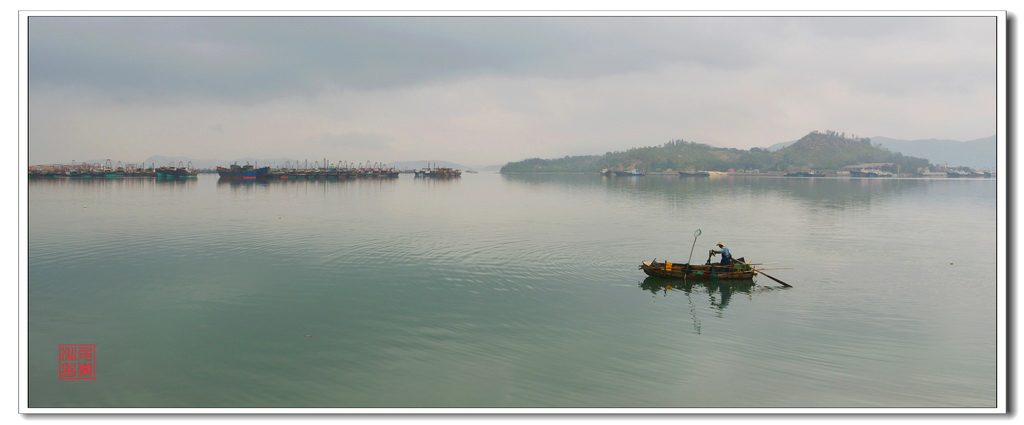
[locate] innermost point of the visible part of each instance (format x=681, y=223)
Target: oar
x=772, y=278
x=768, y=276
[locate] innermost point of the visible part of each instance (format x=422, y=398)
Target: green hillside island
x=819, y=151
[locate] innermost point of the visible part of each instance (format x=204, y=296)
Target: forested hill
x=815, y=151
x=831, y=151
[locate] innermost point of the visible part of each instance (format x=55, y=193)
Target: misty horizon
x=280, y=161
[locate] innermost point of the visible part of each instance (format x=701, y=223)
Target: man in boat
x=726, y=255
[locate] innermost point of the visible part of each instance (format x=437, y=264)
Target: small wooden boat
x=736, y=271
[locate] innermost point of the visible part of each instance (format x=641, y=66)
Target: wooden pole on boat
x=695, y=235
x=686, y=271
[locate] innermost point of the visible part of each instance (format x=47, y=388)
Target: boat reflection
x=719, y=292
x=176, y=181
x=814, y=192
x=236, y=183
x=325, y=184
x=125, y=182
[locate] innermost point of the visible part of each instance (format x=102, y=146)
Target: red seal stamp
x=76, y=362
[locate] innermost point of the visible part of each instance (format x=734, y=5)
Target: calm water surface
x=513, y=291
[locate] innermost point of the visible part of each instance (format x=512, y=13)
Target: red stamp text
x=76, y=362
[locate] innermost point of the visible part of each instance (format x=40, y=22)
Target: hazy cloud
x=487, y=90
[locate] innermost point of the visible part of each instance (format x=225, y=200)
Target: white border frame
x=1002, y=229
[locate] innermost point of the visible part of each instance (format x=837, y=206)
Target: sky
x=487, y=90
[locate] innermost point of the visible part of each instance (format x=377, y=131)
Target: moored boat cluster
x=326, y=171
x=339, y=170
x=108, y=171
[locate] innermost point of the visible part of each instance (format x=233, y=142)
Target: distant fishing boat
x=631, y=173
x=165, y=172
x=135, y=171
x=694, y=174
x=869, y=173
x=244, y=172
x=111, y=172
x=967, y=174
x=179, y=172
x=184, y=173
x=332, y=172
x=437, y=172
x=807, y=174
x=41, y=174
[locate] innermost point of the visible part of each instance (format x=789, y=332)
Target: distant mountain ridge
x=978, y=153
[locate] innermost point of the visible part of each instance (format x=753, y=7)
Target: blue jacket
x=726, y=255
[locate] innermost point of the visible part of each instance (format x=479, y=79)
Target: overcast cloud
x=488, y=90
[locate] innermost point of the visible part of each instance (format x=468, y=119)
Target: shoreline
x=773, y=174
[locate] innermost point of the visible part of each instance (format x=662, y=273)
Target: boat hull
x=438, y=173
x=184, y=173
x=691, y=271
x=869, y=173
x=243, y=173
